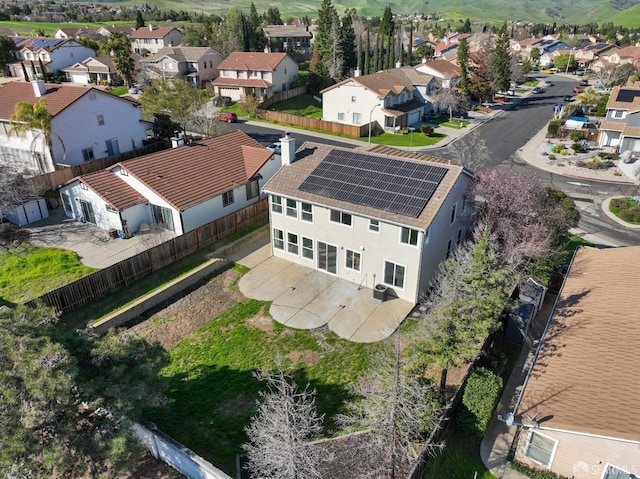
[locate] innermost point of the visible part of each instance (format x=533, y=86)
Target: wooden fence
x=55, y=179
x=284, y=95
x=114, y=277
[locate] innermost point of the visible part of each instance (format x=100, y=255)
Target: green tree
x=324, y=41
x=367, y=52
x=466, y=27
x=347, y=43
x=535, y=55
x=139, y=20
x=464, y=59
x=501, y=61
x=272, y=16
x=68, y=399
x=425, y=50
x=564, y=62
x=257, y=39
x=34, y=116
x=164, y=127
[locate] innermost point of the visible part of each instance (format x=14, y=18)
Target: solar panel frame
x=389, y=184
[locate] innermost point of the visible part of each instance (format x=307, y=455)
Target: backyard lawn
x=416, y=138
x=303, y=105
x=27, y=271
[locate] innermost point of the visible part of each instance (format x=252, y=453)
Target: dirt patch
x=261, y=322
x=191, y=311
x=307, y=357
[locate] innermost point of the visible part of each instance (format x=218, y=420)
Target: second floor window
x=276, y=204
x=340, y=217
x=292, y=208
x=409, y=236
x=306, y=212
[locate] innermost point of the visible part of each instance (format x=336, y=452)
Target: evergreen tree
x=501, y=61
x=367, y=52
x=463, y=64
x=257, y=39
x=139, y=20
x=323, y=43
x=410, y=49
x=386, y=31
x=347, y=43
x=273, y=16
x=466, y=28
x=8, y=50
x=359, y=55
x=376, y=56
x=390, y=57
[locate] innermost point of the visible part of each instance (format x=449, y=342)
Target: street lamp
x=371, y=113
x=569, y=61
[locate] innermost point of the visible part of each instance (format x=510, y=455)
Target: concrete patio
x=305, y=298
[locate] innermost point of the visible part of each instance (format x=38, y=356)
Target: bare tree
x=397, y=407
x=449, y=99
x=470, y=151
x=614, y=74
x=14, y=188
x=279, y=434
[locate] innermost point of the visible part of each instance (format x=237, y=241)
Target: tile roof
x=287, y=180
x=255, y=61
x=382, y=83
x=630, y=51
x=181, y=54
x=106, y=66
x=585, y=378
x=150, y=31
x=112, y=189
x=443, y=67
x=415, y=77
x=612, y=125
x=630, y=106
x=245, y=82
x=193, y=173
x=58, y=97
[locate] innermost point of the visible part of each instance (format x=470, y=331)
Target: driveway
x=305, y=298
x=93, y=245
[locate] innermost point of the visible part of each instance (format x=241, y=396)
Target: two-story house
x=377, y=220
x=383, y=99
x=74, y=33
x=52, y=54
x=179, y=189
x=621, y=126
x=286, y=38
x=150, y=39
x=578, y=406
x=194, y=65
x=97, y=70
x=253, y=73
x=86, y=124
x=448, y=73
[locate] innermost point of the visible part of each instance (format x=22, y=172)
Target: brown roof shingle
x=614, y=100
x=152, y=32
x=585, y=378
x=58, y=97
x=256, y=61
x=193, y=173
x=112, y=189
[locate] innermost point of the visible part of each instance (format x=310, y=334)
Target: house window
x=353, y=99
x=357, y=118
x=613, y=472
x=394, y=274
x=449, y=244
x=253, y=189
x=340, y=116
x=374, y=225
x=340, y=217
x=100, y=120
x=465, y=202
x=292, y=208
x=307, y=248
x=352, y=260
x=227, y=198
x=459, y=240
x=88, y=155
x=278, y=239
x=540, y=449
x=453, y=212
x=110, y=208
x=618, y=114
x=409, y=236
x=292, y=243
x=276, y=204
x=66, y=202
x=306, y=212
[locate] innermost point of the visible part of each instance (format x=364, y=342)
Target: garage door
x=414, y=117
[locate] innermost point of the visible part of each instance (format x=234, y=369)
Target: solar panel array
x=627, y=96
x=39, y=43
x=388, y=184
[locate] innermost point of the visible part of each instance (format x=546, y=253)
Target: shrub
x=558, y=148
x=427, y=130
x=578, y=147
x=480, y=397
x=554, y=126
x=534, y=473
x=576, y=135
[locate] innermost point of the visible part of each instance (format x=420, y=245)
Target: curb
x=599, y=180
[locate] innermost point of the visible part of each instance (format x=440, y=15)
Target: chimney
x=150, y=27
x=398, y=64
x=287, y=149
x=424, y=60
x=356, y=73
x=177, y=142
x=39, y=89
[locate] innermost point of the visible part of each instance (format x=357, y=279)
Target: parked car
x=537, y=90
x=227, y=116
x=276, y=147
x=577, y=89
x=584, y=82
x=568, y=98
x=222, y=101
x=580, y=72
x=548, y=83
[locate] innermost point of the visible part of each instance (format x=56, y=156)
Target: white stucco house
x=255, y=73
x=98, y=70
x=382, y=221
x=151, y=39
x=194, y=65
x=578, y=409
x=179, y=189
x=385, y=99
x=447, y=72
x=86, y=124
x=52, y=54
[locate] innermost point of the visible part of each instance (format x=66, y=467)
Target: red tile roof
x=585, y=378
x=193, y=173
x=245, y=82
x=152, y=32
x=112, y=189
x=255, y=61
x=58, y=97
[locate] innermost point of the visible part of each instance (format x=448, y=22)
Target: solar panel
x=627, y=96
x=388, y=184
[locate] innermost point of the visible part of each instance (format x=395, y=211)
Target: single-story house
x=382, y=221
x=179, y=189
x=578, y=409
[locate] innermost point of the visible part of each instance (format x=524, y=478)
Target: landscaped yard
x=27, y=271
x=453, y=123
x=303, y=105
x=121, y=90
x=627, y=209
x=417, y=138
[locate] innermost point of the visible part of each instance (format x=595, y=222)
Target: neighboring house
x=373, y=219
x=621, y=56
x=447, y=72
x=53, y=54
x=423, y=83
x=384, y=98
x=592, y=51
x=194, y=65
x=108, y=31
x=86, y=124
x=579, y=404
x=150, y=39
x=97, y=70
x=179, y=189
x=76, y=33
x=286, y=38
x=446, y=50
x=258, y=74
x=621, y=126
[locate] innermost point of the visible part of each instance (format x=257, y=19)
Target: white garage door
x=414, y=117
